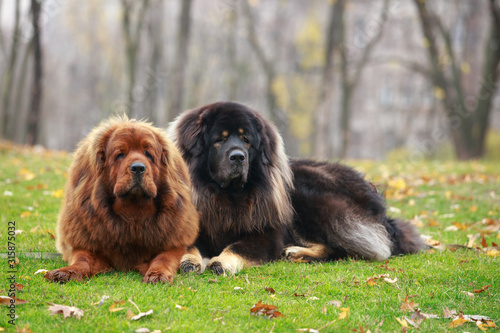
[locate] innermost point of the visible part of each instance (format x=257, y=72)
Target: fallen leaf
x=310, y=330
x=6, y=300
x=18, y=286
x=336, y=304
x=388, y=280
x=483, y=242
x=58, y=193
x=113, y=308
x=25, y=214
x=447, y=313
x=482, y=326
x=274, y=297
x=459, y=321
x=314, y=298
x=297, y=295
x=270, y=311
x=180, y=307
x=129, y=314
x=402, y=322
x=468, y=293
x=344, y=313
x=408, y=305
x=67, y=311
x=477, y=291
x=493, y=253
x=371, y=282
x=43, y=271
x=238, y=288
x=270, y=290
x=142, y=314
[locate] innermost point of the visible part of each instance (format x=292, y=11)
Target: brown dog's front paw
x=63, y=275
x=154, y=277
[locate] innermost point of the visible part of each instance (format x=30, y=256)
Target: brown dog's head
x=131, y=160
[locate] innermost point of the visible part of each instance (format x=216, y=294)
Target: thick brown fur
x=252, y=200
x=127, y=206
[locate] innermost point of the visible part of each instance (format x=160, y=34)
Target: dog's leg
x=82, y=264
x=314, y=252
x=228, y=262
x=164, y=266
x=193, y=261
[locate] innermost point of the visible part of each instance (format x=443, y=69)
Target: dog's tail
x=405, y=238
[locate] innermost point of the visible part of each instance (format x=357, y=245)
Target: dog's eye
x=245, y=139
x=148, y=155
x=119, y=156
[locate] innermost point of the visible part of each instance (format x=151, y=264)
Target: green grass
x=438, y=193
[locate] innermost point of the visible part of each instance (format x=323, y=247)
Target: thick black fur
x=242, y=210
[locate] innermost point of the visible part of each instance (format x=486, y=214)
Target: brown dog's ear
x=100, y=159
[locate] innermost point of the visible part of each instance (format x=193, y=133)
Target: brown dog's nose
x=137, y=168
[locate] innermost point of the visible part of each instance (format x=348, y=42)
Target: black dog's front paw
x=188, y=267
x=217, y=268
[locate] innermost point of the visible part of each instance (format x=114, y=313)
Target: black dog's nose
x=237, y=156
x=137, y=168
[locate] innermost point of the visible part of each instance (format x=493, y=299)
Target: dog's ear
x=100, y=160
x=190, y=132
x=269, y=139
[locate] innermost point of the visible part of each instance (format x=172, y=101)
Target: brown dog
x=127, y=206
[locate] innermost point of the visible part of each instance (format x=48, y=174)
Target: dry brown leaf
x=129, y=314
x=483, y=242
x=270, y=290
x=477, y=291
x=113, y=307
x=270, y=311
x=447, y=313
x=65, y=310
x=408, y=305
x=297, y=295
x=6, y=300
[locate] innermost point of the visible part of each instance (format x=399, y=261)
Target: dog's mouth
x=136, y=188
x=235, y=181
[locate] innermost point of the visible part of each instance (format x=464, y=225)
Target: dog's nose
x=236, y=156
x=137, y=168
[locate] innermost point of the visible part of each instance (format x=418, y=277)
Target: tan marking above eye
x=240, y=130
x=217, y=145
x=225, y=133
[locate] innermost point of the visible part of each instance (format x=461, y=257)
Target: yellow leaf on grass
x=493, y=253
x=473, y=208
x=344, y=314
x=371, y=282
x=457, y=322
x=398, y=183
x=402, y=322
x=130, y=314
x=482, y=326
x=58, y=194
x=25, y=174
x=25, y=214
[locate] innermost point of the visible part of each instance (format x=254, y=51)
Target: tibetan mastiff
x=255, y=205
x=128, y=205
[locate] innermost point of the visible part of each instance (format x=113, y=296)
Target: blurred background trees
x=340, y=78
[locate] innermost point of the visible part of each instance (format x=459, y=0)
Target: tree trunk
x=467, y=127
x=322, y=118
x=232, y=79
x=32, y=135
x=8, y=79
x=19, y=103
x=277, y=115
x=132, y=36
x=178, y=82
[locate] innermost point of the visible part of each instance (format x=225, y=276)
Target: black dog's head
x=225, y=143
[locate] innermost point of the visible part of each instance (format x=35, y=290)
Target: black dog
x=252, y=200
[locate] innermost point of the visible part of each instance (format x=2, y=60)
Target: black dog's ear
x=269, y=139
x=190, y=131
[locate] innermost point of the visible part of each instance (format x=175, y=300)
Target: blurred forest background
x=340, y=78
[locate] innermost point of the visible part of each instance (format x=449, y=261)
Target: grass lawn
x=450, y=202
